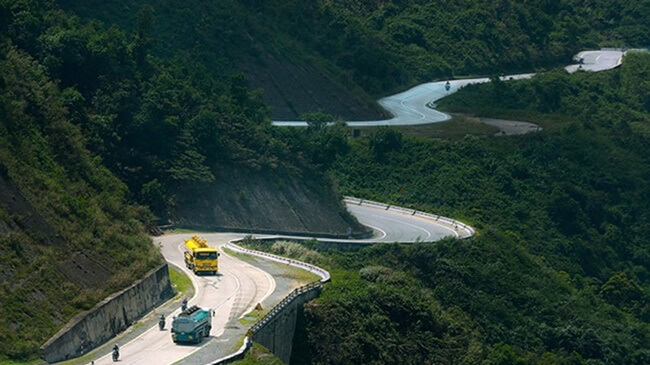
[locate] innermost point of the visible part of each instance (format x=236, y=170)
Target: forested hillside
x=163, y=126
x=320, y=54
x=90, y=125
x=109, y=104
x=68, y=233
x=559, y=272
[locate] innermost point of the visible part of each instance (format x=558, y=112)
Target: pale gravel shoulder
x=511, y=127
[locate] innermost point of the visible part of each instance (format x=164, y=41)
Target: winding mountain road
x=414, y=106
x=239, y=286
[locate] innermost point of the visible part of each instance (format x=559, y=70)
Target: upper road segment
x=415, y=106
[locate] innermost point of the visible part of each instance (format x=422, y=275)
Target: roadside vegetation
x=259, y=355
x=105, y=126
x=181, y=283
x=558, y=273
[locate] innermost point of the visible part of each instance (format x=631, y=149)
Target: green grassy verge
x=459, y=126
x=259, y=355
x=9, y=362
x=180, y=282
x=290, y=272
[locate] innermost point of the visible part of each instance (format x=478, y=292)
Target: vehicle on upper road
x=192, y=325
x=199, y=257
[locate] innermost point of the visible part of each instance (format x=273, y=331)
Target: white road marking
x=383, y=233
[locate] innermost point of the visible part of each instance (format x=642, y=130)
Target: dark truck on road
x=192, y=325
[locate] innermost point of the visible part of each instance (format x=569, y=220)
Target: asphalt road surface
x=232, y=293
x=392, y=226
x=239, y=286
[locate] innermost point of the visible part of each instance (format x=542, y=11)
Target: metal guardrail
x=283, y=304
x=324, y=274
x=457, y=225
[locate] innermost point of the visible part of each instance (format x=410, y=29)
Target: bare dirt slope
x=255, y=202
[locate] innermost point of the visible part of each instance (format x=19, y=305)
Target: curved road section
x=413, y=106
x=239, y=286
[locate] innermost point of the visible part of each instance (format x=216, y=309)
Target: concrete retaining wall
x=275, y=331
x=113, y=315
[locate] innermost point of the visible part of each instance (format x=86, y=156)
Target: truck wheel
x=207, y=332
x=199, y=338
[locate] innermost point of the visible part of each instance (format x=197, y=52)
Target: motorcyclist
x=161, y=322
x=184, y=304
x=116, y=352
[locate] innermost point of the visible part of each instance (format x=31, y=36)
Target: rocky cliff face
x=257, y=202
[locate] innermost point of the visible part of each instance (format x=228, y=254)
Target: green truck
x=192, y=325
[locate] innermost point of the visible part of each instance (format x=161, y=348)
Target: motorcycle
x=116, y=354
x=161, y=323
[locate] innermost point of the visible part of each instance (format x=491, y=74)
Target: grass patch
x=290, y=272
x=32, y=362
x=239, y=255
x=253, y=317
x=300, y=275
x=180, y=282
x=259, y=355
x=459, y=126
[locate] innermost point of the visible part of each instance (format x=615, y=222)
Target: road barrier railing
x=463, y=230
x=324, y=274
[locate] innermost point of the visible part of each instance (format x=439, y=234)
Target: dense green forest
x=161, y=125
x=69, y=235
x=559, y=272
x=107, y=104
x=384, y=45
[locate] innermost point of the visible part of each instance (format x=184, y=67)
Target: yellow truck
x=199, y=257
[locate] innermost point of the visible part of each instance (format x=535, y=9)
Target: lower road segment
x=240, y=286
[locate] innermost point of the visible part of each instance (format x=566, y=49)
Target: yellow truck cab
x=199, y=257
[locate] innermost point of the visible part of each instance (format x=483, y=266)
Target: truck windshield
x=206, y=255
